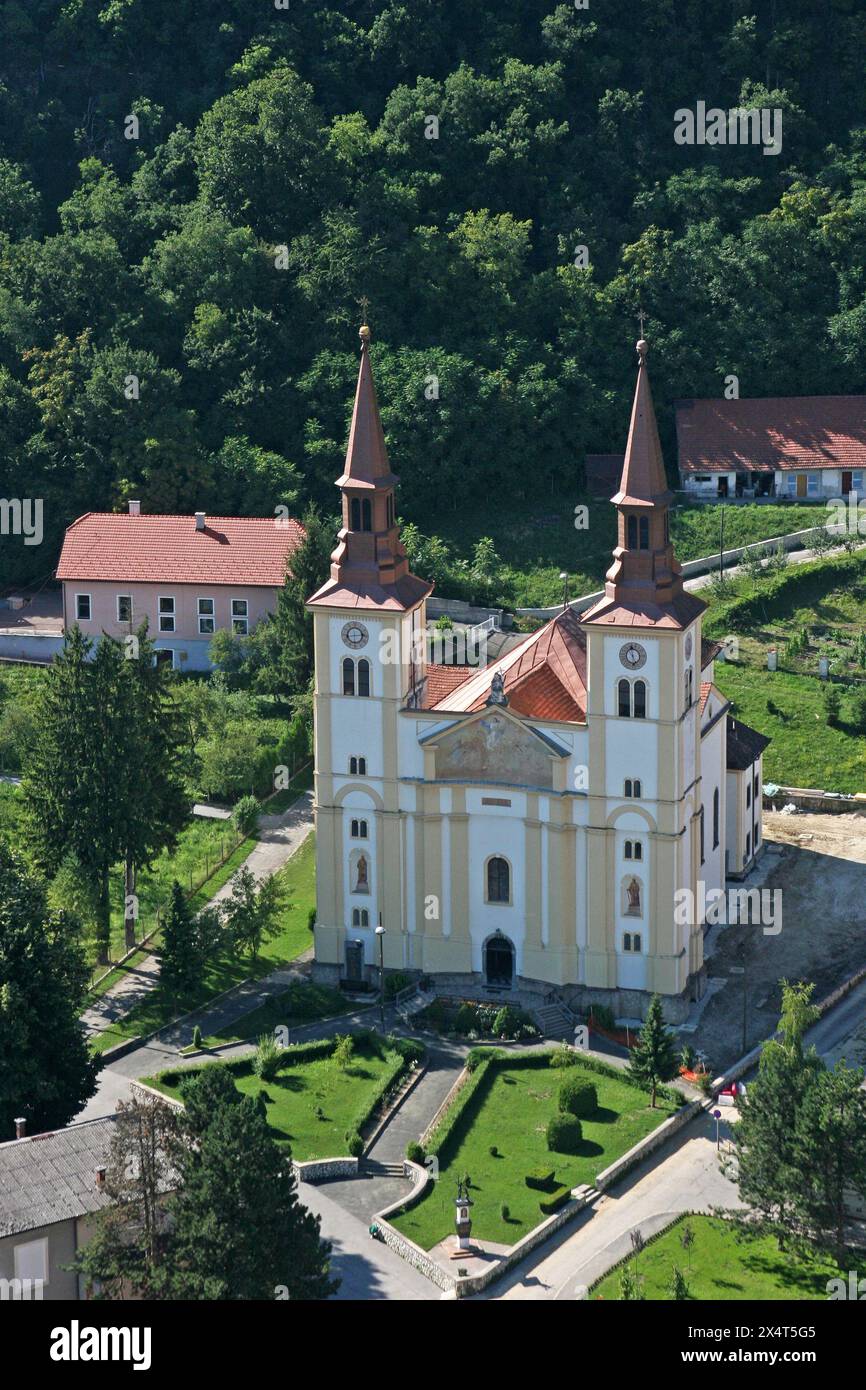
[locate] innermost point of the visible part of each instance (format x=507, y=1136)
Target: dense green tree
x=46, y=1072
x=180, y=958
x=653, y=1057
x=238, y=1230
x=251, y=911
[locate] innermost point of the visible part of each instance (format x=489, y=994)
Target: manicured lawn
x=292, y=939
x=297, y=1092
x=727, y=1266
x=511, y=1111
x=299, y=1004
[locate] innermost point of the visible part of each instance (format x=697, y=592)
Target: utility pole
x=722, y=544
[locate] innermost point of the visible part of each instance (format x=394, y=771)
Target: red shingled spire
x=644, y=585
x=369, y=568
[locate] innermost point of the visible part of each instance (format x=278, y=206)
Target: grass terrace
x=314, y=1103
x=291, y=940
x=805, y=612
x=296, y=1006
x=498, y=1137
x=728, y=1263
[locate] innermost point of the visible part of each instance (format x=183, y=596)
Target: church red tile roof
x=115, y=546
x=776, y=432
x=441, y=680
x=544, y=677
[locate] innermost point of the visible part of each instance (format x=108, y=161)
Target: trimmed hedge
x=541, y=1179
x=578, y=1096
x=557, y=1199
x=564, y=1134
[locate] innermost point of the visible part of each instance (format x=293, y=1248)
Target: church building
x=531, y=828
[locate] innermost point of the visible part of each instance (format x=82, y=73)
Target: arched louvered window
x=355, y=522
x=640, y=700
x=644, y=533
x=363, y=676
x=366, y=515
x=348, y=676
x=632, y=533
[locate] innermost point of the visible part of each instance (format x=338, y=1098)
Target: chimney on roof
x=134, y=508
x=100, y=1177
x=200, y=519
x=21, y=1127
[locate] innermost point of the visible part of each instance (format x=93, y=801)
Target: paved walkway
x=279, y=838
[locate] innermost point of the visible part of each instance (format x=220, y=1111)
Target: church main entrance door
x=499, y=961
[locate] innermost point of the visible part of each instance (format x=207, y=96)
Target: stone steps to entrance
x=555, y=1022
x=373, y=1168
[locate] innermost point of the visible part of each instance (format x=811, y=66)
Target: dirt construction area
x=818, y=864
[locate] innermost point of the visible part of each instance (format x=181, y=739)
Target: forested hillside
x=283, y=171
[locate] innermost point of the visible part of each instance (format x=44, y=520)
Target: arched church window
x=632, y=533
x=366, y=515
x=716, y=818
x=348, y=676
x=640, y=700
x=644, y=533
x=360, y=917
x=355, y=510
x=690, y=690
x=498, y=880
x=363, y=676
x=623, y=699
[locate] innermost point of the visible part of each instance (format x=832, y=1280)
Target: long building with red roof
x=187, y=576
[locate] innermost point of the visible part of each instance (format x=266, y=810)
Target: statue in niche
x=633, y=895
x=362, y=884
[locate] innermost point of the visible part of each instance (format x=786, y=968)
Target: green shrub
x=832, y=704
x=245, y=816
x=394, y=982
x=415, y=1152
x=603, y=1016
x=578, y=1096
x=505, y=1212
x=465, y=1020
x=507, y=1023
x=476, y=1055
x=355, y=1144
x=196, y=1036
x=268, y=1058
x=563, y=1056
x=541, y=1179
x=564, y=1134
x=557, y=1199
x=311, y=919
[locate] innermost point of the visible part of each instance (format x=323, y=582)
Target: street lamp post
x=564, y=578
x=380, y=932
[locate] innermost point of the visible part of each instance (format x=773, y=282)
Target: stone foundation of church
x=534, y=994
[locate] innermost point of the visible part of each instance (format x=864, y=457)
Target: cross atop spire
x=641, y=317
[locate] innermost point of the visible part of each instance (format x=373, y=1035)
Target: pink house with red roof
x=189, y=576
x=794, y=447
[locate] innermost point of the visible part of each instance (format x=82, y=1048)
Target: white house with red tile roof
x=806, y=447
x=189, y=576
x=525, y=828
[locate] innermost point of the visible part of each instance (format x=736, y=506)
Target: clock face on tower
x=632, y=656
x=355, y=635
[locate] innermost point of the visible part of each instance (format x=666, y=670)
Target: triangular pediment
x=493, y=745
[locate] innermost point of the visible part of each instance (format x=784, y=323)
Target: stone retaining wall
x=325, y=1169
x=638, y=1152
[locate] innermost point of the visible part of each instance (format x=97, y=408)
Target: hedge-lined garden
x=527, y=1128
x=320, y=1096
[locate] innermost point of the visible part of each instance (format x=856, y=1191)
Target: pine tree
x=238, y=1229
x=73, y=767
x=286, y=643
x=46, y=1073
x=152, y=794
x=653, y=1058
x=181, y=962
